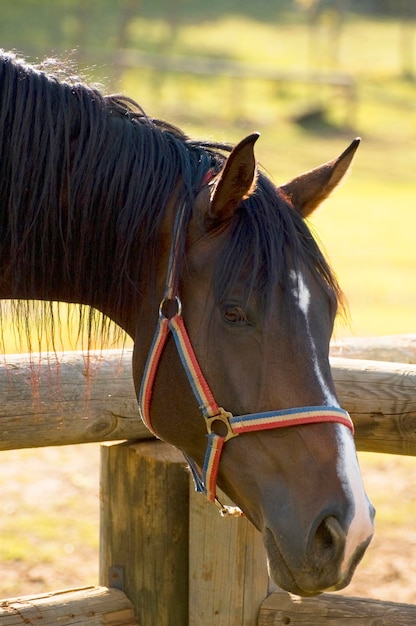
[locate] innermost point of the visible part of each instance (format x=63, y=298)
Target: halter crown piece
x=205, y=479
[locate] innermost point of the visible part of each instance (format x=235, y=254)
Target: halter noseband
x=216, y=418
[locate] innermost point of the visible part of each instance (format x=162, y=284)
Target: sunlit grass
x=367, y=232
x=395, y=510
x=49, y=523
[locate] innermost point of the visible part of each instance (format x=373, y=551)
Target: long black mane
x=85, y=182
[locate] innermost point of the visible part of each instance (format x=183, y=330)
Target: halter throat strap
x=221, y=425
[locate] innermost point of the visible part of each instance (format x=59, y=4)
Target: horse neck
x=83, y=195
x=83, y=265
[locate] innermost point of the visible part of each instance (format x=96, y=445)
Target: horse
x=213, y=272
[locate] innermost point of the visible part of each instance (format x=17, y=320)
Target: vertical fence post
x=144, y=529
x=228, y=578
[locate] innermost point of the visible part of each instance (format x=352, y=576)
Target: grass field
x=367, y=228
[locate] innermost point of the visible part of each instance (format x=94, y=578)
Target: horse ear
x=236, y=181
x=307, y=191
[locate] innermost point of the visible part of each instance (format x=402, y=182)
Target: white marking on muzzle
x=361, y=526
x=348, y=471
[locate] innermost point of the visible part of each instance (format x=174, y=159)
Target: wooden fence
x=166, y=556
x=340, y=84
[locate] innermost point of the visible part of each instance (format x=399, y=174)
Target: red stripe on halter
x=199, y=385
x=206, y=479
x=146, y=389
x=215, y=446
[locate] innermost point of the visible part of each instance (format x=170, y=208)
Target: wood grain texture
x=228, y=577
x=381, y=398
x=90, y=606
x=144, y=519
x=394, y=348
x=332, y=610
x=66, y=400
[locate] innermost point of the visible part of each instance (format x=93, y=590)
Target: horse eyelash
x=240, y=315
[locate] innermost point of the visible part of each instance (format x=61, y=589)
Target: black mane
x=85, y=180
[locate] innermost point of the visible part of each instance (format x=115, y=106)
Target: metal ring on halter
x=165, y=302
x=224, y=418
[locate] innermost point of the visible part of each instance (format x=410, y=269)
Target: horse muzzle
x=318, y=565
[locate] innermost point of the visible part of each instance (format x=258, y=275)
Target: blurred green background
x=308, y=74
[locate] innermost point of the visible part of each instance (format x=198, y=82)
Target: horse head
x=98, y=204
x=259, y=302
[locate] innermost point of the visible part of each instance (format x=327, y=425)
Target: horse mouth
x=283, y=574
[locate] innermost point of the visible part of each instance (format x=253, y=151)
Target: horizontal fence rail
x=332, y=610
x=203, y=66
x=96, y=606
x=67, y=398
x=397, y=348
x=75, y=397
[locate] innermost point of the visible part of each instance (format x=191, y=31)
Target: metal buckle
x=224, y=418
x=225, y=510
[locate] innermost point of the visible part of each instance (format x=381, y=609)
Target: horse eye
x=234, y=314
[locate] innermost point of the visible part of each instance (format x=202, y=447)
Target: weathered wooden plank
x=333, y=610
x=160, y=539
x=144, y=529
x=381, y=398
x=394, y=348
x=92, y=606
x=228, y=578
x=65, y=398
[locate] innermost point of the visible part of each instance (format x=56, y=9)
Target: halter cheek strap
x=216, y=418
x=221, y=424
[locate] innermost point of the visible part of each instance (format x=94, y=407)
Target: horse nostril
x=329, y=539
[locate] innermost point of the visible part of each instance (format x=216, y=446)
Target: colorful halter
x=216, y=418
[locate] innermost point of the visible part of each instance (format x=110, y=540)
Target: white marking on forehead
x=348, y=471
x=361, y=526
x=303, y=299
x=301, y=292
